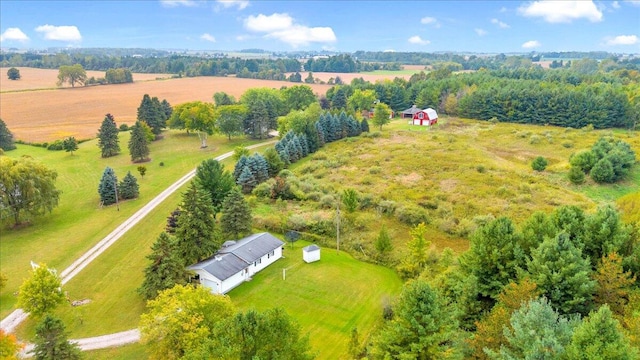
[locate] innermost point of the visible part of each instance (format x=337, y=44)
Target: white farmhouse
x=237, y=261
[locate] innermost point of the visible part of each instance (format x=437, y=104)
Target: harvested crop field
x=31, y=78
x=46, y=115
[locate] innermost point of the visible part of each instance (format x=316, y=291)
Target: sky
x=344, y=26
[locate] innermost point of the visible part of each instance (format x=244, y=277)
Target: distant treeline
x=561, y=97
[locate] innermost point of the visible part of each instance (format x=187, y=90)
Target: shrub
x=124, y=127
x=263, y=190
x=374, y=170
x=327, y=202
x=367, y=201
x=567, y=144
x=412, y=215
x=56, y=145
x=296, y=222
x=387, y=207
x=576, y=175
x=602, y=171
x=161, y=163
x=480, y=168
x=539, y=164
x=583, y=159
x=535, y=139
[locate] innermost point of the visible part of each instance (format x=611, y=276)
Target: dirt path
x=14, y=319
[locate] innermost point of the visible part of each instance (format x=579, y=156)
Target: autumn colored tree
x=613, y=284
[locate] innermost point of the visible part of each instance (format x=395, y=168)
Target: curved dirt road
x=9, y=323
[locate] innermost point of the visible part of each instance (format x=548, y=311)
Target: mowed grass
x=328, y=297
x=128, y=352
x=79, y=222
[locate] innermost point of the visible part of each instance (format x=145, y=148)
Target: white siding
x=265, y=261
x=311, y=256
x=233, y=281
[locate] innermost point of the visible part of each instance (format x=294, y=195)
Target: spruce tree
x=152, y=112
x=364, y=125
x=51, y=341
x=196, y=233
x=165, y=270
x=236, y=217
x=215, y=180
x=108, y=137
x=138, y=147
x=247, y=180
x=107, y=187
x=128, y=187
x=563, y=275
x=6, y=137
x=240, y=165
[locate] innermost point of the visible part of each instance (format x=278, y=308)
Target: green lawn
x=127, y=352
x=328, y=298
x=78, y=223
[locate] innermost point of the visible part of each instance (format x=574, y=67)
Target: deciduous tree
x=165, y=270
x=222, y=98
x=52, y=341
x=613, y=283
x=195, y=116
x=70, y=144
x=381, y=114
x=42, y=292
x=13, y=74
x=108, y=140
x=27, y=189
x=9, y=346
x=142, y=170
x=230, y=119
x=361, y=100
x=236, y=217
x=72, y=74
x=298, y=97
x=176, y=322
x=6, y=137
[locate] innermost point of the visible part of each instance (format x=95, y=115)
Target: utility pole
x=338, y=227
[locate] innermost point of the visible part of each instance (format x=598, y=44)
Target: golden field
x=47, y=115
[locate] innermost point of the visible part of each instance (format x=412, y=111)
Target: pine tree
x=6, y=137
x=600, y=337
x=70, y=144
x=165, y=270
x=108, y=137
x=274, y=162
x=138, y=147
x=236, y=217
x=152, y=112
x=364, y=125
x=575, y=175
x=107, y=187
x=246, y=180
x=605, y=233
x=52, y=343
x=196, y=233
x=216, y=181
x=563, y=275
x=128, y=187
x=172, y=221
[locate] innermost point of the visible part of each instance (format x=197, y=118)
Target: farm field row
x=47, y=115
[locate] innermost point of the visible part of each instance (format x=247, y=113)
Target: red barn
x=426, y=117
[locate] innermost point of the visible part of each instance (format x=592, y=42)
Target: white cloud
x=623, y=40
x=531, y=44
x=481, y=32
x=633, y=2
x=389, y=51
x=176, y=3
x=208, y=37
x=240, y=4
x=14, y=34
x=264, y=23
x=428, y=20
x=500, y=24
x=561, y=11
x=503, y=9
x=418, y=40
x=282, y=27
x=615, y=5
x=60, y=33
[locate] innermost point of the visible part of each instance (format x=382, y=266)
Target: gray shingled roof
x=310, y=248
x=253, y=247
x=233, y=259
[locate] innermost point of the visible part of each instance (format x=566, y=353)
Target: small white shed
x=311, y=253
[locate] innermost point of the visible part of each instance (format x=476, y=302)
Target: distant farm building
x=426, y=117
x=238, y=261
x=311, y=253
x=408, y=114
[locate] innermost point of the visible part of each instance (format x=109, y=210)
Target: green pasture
x=393, y=72
x=79, y=222
x=127, y=352
x=327, y=298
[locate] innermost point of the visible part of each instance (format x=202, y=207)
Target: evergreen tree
x=570, y=219
x=108, y=137
x=364, y=125
x=165, y=270
x=240, y=165
x=599, y=336
x=246, y=180
x=274, y=162
x=537, y=332
x=563, y=275
x=236, y=217
x=196, y=233
x=339, y=99
x=52, y=343
x=172, y=221
x=6, y=137
x=413, y=264
x=128, y=187
x=138, y=147
x=535, y=230
x=261, y=168
x=107, y=187
x=152, y=112
x=421, y=327
x=495, y=256
x=539, y=164
x=576, y=176
x=602, y=171
x=605, y=233
x=217, y=181
x=383, y=242
x=70, y=144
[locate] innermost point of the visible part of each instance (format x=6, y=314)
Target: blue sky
x=473, y=26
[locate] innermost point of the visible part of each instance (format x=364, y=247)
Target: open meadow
x=47, y=115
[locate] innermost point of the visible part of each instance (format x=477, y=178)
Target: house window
x=420, y=115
